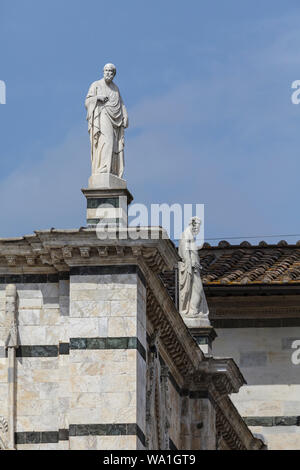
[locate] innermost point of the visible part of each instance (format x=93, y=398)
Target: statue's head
x=109, y=72
x=195, y=224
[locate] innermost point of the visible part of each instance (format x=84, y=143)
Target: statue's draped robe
x=105, y=125
x=192, y=300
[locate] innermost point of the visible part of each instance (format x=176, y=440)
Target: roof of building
x=244, y=264
x=234, y=276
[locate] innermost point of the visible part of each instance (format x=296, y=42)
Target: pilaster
x=107, y=357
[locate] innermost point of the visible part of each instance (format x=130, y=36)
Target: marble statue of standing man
x=107, y=118
x=192, y=301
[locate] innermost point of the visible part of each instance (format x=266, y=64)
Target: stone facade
x=104, y=360
x=253, y=295
x=270, y=403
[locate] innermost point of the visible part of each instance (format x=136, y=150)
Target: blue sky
x=208, y=88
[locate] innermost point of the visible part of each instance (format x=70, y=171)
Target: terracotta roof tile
x=245, y=264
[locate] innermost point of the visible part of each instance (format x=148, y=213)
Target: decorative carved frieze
x=232, y=431
x=67, y=252
x=103, y=251
x=226, y=432
x=120, y=251
x=30, y=260
x=168, y=336
x=137, y=251
x=154, y=260
x=56, y=256
x=46, y=260
x=85, y=252
x=11, y=260
x=61, y=249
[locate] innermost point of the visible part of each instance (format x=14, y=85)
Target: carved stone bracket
x=103, y=251
x=67, y=252
x=56, y=256
x=84, y=252
x=30, y=260
x=11, y=260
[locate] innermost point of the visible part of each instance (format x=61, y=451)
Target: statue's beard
x=108, y=79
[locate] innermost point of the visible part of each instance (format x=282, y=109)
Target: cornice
x=220, y=376
x=58, y=250
x=232, y=428
x=170, y=328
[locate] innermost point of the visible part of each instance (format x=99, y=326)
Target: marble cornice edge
x=62, y=249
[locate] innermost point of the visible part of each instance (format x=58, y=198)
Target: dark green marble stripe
x=268, y=421
x=33, y=278
x=77, y=430
x=48, y=437
x=37, y=351
x=108, y=343
x=95, y=203
x=115, y=429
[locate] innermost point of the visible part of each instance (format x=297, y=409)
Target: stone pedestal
x=204, y=335
x=107, y=201
x=106, y=181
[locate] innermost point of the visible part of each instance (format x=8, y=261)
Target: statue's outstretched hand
x=197, y=266
x=102, y=98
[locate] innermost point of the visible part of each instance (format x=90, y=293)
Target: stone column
x=11, y=345
x=107, y=357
